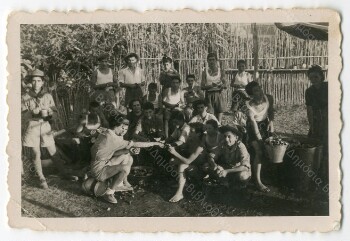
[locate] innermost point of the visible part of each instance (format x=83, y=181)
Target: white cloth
x=262, y=114
x=213, y=79
x=127, y=76
x=200, y=119
x=104, y=78
x=243, y=78
x=174, y=99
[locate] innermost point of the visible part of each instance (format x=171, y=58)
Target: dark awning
x=308, y=31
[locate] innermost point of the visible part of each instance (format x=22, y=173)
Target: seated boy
x=87, y=131
x=182, y=130
x=95, y=108
x=233, y=158
x=202, y=116
x=111, y=158
x=191, y=93
x=173, y=99
x=134, y=117
x=190, y=153
x=150, y=126
x=153, y=96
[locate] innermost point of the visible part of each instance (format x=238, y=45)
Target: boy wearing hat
x=132, y=78
x=37, y=109
x=233, y=158
x=111, y=157
x=104, y=81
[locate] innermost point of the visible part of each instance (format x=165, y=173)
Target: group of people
x=184, y=123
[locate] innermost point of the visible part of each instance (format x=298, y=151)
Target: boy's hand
x=270, y=127
x=223, y=173
x=171, y=149
x=49, y=111
x=130, y=144
x=161, y=145
x=134, y=150
x=37, y=110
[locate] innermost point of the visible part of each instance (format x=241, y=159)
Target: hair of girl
x=250, y=86
x=148, y=106
x=132, y=102
x=213, y=123
x=316, y=69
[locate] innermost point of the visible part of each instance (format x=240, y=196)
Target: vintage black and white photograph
x=174, y=119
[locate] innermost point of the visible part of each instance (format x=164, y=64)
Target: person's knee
x=52, y=150
x=182, y=167
x=36, y=152
x=244, y=176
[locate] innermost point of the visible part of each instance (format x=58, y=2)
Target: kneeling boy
x=111, y=157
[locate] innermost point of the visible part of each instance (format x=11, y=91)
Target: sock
x=110, y=191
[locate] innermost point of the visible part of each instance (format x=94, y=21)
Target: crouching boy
x=111, y=157
x=233, y=158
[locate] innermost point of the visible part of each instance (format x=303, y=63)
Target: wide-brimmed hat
x=103, y=57
x=126, y=58
x=36, y=72
x=232, y=129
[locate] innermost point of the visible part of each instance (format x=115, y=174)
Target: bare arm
x=94, y=79
x=237, y=169
x=310, y=116
x=146, y=144
x=223, y=79
x=204, y=81
x=255, y=125
x=121, y=152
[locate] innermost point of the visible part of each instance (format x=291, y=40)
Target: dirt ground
x=150, y=197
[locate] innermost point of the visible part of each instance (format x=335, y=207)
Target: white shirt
x=243, y=78
x=200, y=119
x=127, y=76
x=104, y=78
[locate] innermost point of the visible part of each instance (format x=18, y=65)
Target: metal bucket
x=303, y=164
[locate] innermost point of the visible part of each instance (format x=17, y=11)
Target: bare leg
x=182, y=181
x=128, y=168
x=219, y=116
x=257, y=167
x=38, y=167
x=166, y=128
x=58, y=162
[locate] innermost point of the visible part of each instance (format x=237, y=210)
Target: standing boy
x=242, y=78
x=213, y=82
x=37, y=109
x=132, y=78
x=103, y=82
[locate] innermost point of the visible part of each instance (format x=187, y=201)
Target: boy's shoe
x=43, y=184
x=110, y=198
